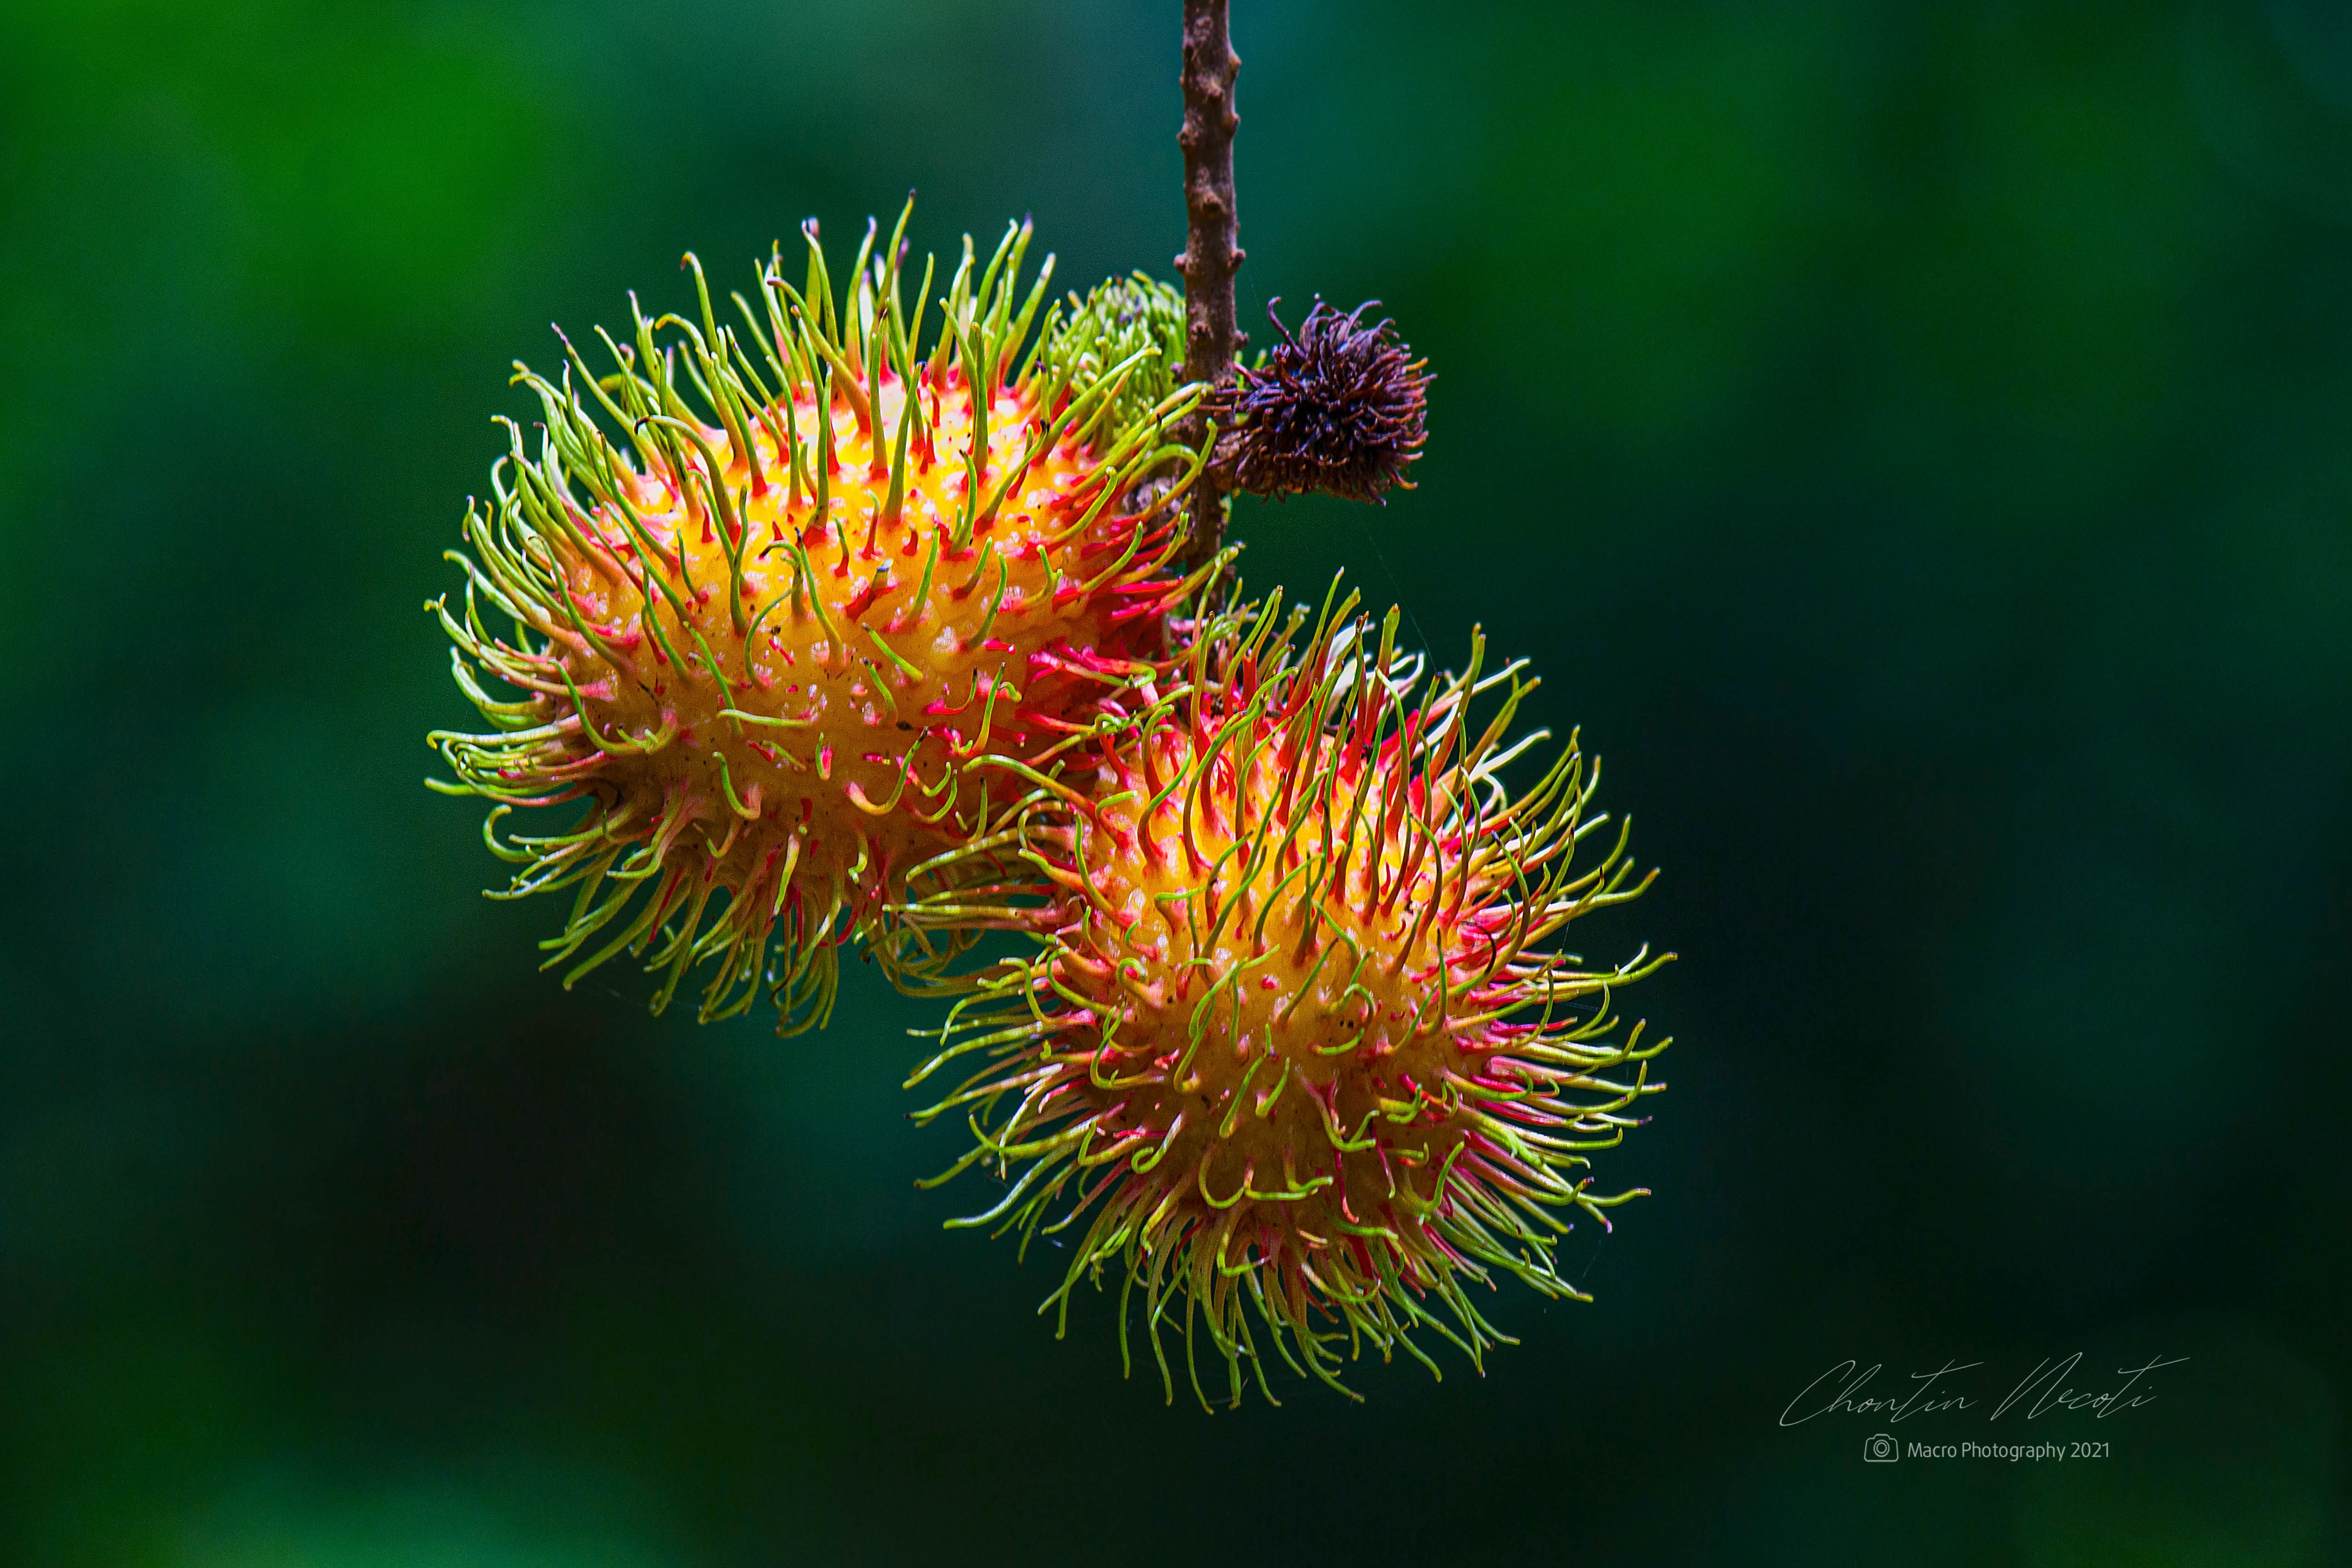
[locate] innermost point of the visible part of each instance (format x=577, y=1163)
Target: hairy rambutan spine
x=1291, y=1034
x=764, y=631
x=1336, y=408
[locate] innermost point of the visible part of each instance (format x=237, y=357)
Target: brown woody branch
x=1211, y=252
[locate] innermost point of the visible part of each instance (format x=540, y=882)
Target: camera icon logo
x=1880, y=1449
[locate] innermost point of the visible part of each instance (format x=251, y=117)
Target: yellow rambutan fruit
x=1291, y=1029
x=772, y=591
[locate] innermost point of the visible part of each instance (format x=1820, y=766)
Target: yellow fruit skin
x=1290, y=1028
x=834, y=747
x=765, y=651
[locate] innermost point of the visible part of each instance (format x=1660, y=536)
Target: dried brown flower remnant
x=1339, y=407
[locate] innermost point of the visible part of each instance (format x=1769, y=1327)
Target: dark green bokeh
x=1910, y=439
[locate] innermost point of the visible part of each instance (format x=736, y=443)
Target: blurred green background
x=1910, y=438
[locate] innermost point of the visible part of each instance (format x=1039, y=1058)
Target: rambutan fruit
x=1336, y=408
x=772, y=591
x=1290, y=1027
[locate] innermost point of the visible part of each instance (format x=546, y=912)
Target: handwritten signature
x=1847, y=1380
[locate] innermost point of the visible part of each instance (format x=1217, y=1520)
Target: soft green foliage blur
x=1914, y=441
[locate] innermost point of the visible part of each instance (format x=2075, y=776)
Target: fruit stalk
x=1211, y=252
